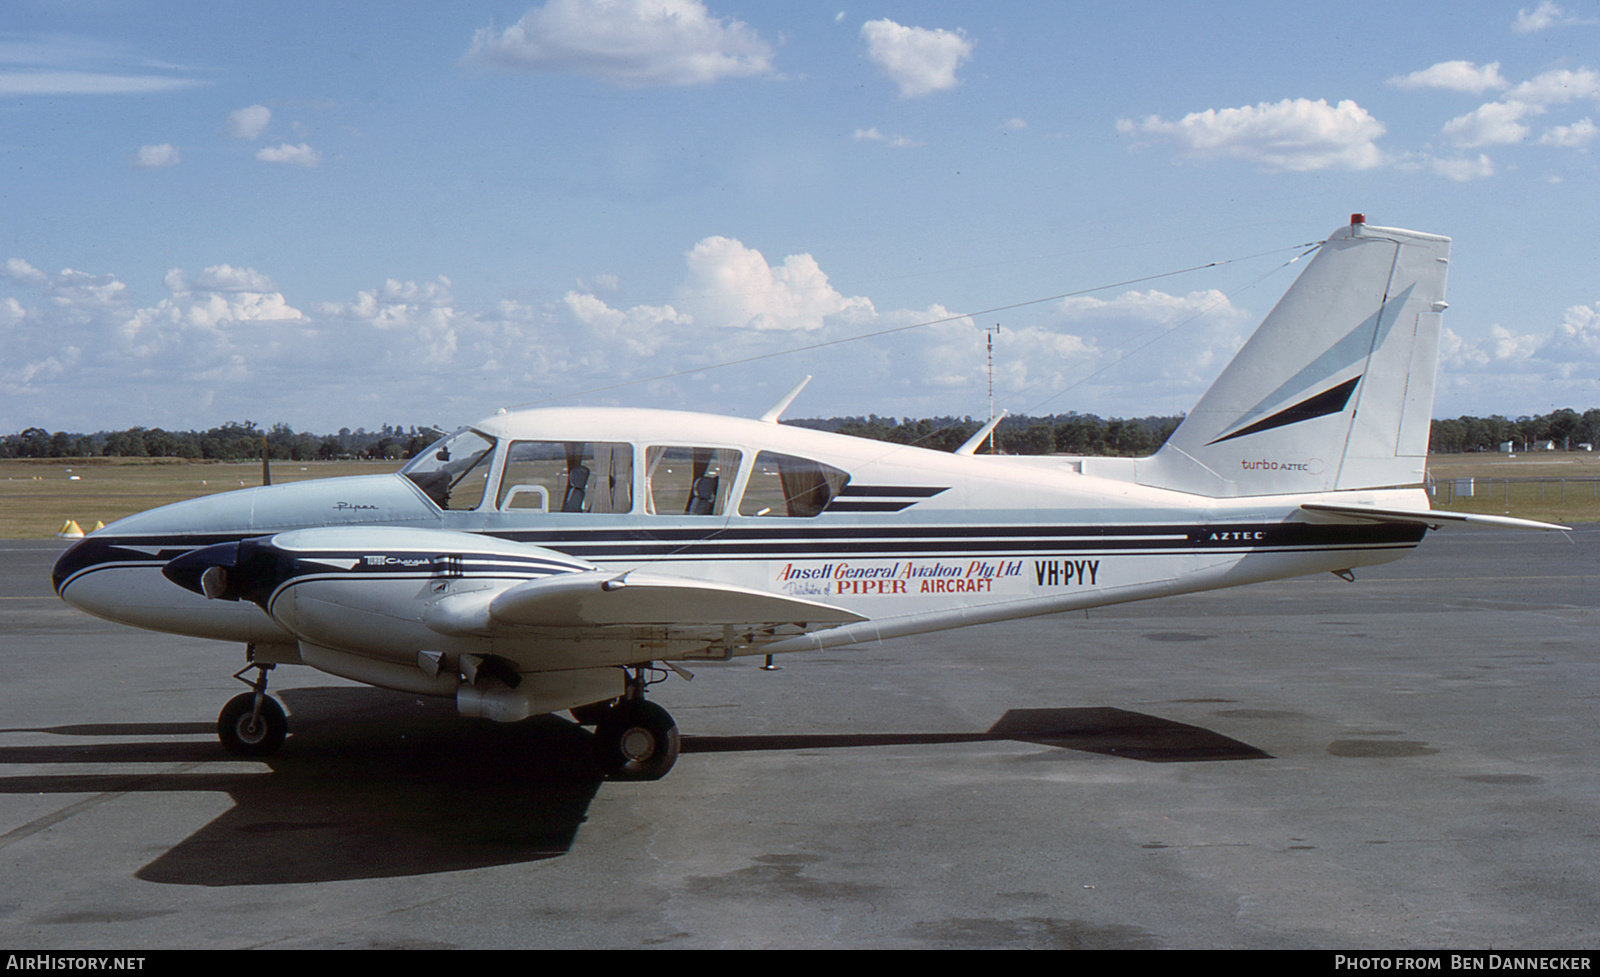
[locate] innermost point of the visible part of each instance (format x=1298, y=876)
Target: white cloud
x=1578, y=335
x=919, y=61
x=1558, y=87
x=78, y=296
x=87, y=83
x=219, y=296
x=1154, y=306
x=248, y=122
x=68, y=64
x=301, y=155
x=1546, y=14
x=221, y=278
x=155, y=157
x=642, y=330
x=1512, y=346
x=896, y=140
x=88, y=340
x=1456, y=76
x=732, y=286
x=1295, y=135
x=632, y=43
x=1490, y=124
x=23, y=273
x=397, y=303
x=1575, y=136
x=225, y=343
x=1509, y=363
x=1504, y=122
x=1461, y=169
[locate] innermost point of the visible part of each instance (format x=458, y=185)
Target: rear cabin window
x=567, y=476
x=689, y=481
x=784, y=485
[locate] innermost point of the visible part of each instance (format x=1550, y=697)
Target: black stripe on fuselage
x=821, y=541
x=881, y=498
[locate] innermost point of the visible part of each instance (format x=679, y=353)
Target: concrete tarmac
x=1405, y=762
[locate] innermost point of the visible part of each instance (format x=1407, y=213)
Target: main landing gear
x=252, y=723
x=633, y=739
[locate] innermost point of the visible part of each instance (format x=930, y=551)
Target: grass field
x=1560, y=486
x=37, y=496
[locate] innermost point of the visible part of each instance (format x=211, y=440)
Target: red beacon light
x=1357, y=219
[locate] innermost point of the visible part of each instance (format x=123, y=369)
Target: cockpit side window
x=567, y=476
x=453, y=471
x=784, y=485
x=689, y=481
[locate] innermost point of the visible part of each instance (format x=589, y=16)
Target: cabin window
x=567, y=476
x=689, y=481
x=453, y=471
x=783, y=485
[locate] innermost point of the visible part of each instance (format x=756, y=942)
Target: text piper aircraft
x=549, y=559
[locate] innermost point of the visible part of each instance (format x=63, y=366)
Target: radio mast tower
x=988, y=335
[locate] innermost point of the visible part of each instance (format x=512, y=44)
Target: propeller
x=244, y=569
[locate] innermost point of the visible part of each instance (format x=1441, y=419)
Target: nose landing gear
x=252, y=723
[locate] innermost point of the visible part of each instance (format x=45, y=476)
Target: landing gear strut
x=252, y=723
x=634, y=739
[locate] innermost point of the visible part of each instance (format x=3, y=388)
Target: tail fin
x=1335, y=389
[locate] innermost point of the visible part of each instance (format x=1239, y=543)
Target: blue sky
x=355, y=214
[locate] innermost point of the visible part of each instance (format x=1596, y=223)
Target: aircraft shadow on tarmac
x=375, y=785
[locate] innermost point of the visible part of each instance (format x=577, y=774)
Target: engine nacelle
x=382, y=592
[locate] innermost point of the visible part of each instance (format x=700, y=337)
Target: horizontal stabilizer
x=604, y=599
x=1429, y=517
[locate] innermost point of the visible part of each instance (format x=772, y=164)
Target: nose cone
x=116, y=572
x=72, y=559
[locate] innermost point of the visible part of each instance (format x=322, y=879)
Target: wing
x=606, y=599
x=390, y=592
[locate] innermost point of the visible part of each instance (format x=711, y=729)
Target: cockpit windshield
x=454, y=470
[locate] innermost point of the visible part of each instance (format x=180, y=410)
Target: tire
x=241, y=737
x=637, y=741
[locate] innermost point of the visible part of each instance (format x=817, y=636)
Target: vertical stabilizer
x=1335, y=389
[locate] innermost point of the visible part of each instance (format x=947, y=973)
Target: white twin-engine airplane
x=548, y=559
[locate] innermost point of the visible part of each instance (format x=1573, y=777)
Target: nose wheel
x=252, y=723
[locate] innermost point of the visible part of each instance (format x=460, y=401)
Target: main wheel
x=244, y=734
x=637, y=741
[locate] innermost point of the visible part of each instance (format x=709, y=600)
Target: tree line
x=1073, y=433
x=1087, y=434
x=1565, y=428
x=233, y=441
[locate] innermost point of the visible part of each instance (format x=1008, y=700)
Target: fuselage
x=912, y=539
